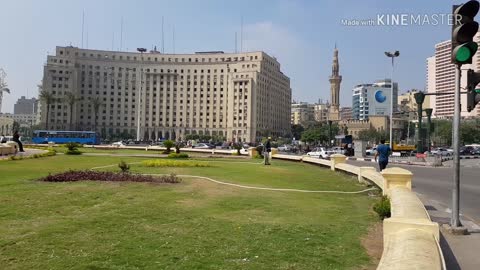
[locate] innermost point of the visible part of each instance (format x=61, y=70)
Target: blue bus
x=59, y=137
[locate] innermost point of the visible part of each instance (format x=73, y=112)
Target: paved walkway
x=28, y=152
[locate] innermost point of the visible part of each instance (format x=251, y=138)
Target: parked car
x=476, y=151
x=284, y=148
x=371, y=151
x=320, y=152
x=467, y=150
x=338, y=150
x=203, y=146
x=441, y=152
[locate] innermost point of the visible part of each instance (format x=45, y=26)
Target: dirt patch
x=373, y=243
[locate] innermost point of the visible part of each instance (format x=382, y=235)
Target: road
x=436, y=184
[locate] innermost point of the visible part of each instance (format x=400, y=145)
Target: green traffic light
x=465, y=52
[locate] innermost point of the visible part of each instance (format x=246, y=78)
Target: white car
x=441, y=152
x=284, y=148
x=320, y=153
x=371, y=151
x=119, y=144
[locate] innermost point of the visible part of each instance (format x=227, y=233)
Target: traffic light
x=473, y=93
x=464, y=29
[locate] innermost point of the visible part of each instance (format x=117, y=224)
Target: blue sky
x=301, y=34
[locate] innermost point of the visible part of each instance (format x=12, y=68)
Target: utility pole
x=141, y=50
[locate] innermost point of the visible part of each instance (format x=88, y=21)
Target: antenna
x=241, y=34
x=86, y=38
x=173, y=36
x=113, y=40
x=163, y=41
x=121, y=33
x=236, y=51
x=83, y=22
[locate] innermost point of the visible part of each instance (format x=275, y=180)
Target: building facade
x=380, y=123
x=441, y=79
x=407, y=104
x=303, y=113
x=240, y=97
x=346, y=113
x=6, y=126
x=321, y=111
x=25, y=106
x=373, y=99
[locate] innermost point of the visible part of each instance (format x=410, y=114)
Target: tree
x=372, y=135
x=168, y=144
x=71, y=99
x=47, y=98
x=297, y=131
x=96, y=103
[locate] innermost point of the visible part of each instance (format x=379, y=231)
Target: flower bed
x=73, y=176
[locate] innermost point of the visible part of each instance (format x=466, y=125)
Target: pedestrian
x=266, y=151
x=383, y=151
x=3, y=139
x=16, y=138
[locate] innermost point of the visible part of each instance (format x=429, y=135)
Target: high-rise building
x=335, y=80
x=373, y=99
x=239, y=96
x=444, y=80
x=321, y=111
x=25, y=106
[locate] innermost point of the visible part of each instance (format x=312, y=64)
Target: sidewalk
x=460, y=251
x=28, y=152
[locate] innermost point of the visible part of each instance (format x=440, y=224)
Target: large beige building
x=441, y=79
x=238, y=96
x=408, y=105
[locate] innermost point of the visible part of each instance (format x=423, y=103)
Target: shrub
x=174, y=163
x=168, y=144
x=178, y=145
x=177, y=155
x=259, y=150
x=73, y=176
x=124, y=166
x=382, y=207
x=72, y=148
x=73, y=152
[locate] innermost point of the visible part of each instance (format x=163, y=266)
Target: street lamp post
x=392, y=55
x=330, y=133
x=429, y=111
x=141, y=50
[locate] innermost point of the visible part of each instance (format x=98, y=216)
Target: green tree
x=168, y=144
x=297, y=131
x=70, y=99
x=372, y=135
x=96, y=103
x=47, y=98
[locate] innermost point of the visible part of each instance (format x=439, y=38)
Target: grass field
x=196, y=224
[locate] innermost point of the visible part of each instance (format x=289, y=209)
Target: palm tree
x=97, y=103
x=70, y=99
x=47, y=98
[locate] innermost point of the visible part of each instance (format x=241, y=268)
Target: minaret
x=335, y=80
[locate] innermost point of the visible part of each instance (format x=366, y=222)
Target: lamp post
x=330, y=133
x=141, y=50
x=392, y=55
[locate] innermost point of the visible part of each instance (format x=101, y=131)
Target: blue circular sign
x=380, y=97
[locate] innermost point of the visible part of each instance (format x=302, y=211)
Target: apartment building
x=240, y=96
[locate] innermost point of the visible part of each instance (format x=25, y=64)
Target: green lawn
x=193, y=225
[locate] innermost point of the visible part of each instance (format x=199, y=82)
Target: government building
x=240, y=96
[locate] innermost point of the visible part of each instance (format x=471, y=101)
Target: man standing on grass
x=266, y=151
x=383, y=151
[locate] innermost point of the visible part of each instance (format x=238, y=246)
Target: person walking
x=266, y=151
x=383, y=151
x=16, y=138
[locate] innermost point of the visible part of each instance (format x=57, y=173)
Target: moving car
x=203, y=146
x=371, y=151
x=441, y=152
x=119, y=144
x=320, y=152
